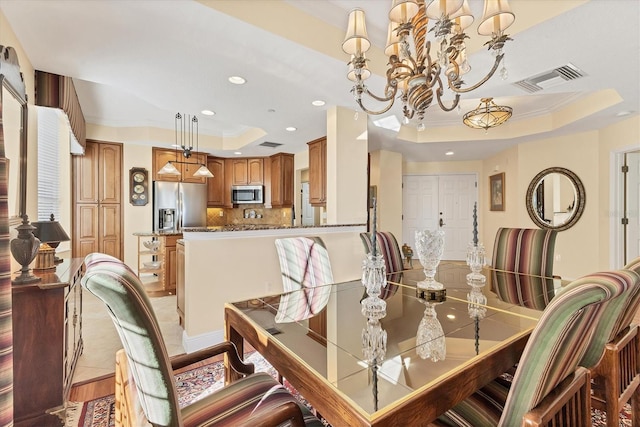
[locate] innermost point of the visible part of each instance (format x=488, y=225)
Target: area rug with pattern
x=199, y=382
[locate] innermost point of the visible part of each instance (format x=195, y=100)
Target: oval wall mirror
x=555, y=199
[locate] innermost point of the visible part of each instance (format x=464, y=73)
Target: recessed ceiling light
x=237, y=153
x=291, y=129
x=449, y=153
x=624, y=113
x=318, y=103
x=237, y=80
x=451, y=316
x=208, y=112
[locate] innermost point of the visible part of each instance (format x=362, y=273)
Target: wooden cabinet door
x=276, y=180
x=180, y=280
x=215, y=186
x=110, y=169
x=317, y=172
x=170, y=268
x=86, y=237
x=110, y=235
x=287, y=180
x=160, y=157
x=86, y=175
x=255, y=174
x=239, y=173
x=228, y=182
x=281, y=180
x=188, y=169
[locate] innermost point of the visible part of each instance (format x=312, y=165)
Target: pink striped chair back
x=305, y=265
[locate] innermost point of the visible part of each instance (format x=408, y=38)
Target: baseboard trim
x=201, y=341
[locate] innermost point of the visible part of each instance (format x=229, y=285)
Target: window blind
x=49, y=132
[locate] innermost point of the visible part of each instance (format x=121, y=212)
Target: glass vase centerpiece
x=430, y=247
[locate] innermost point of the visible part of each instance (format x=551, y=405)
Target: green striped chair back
x=562, y=338
x=130, y=309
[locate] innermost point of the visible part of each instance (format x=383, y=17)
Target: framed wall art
x=496, y=192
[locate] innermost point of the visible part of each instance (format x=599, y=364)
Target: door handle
x=441, y=222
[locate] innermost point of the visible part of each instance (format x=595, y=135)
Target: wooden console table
x=47, y=341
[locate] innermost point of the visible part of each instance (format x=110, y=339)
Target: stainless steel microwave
x=247, y=194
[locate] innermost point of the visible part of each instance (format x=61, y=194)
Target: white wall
x=386, y=175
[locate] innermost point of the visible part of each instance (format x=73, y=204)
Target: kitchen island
x=235, y=263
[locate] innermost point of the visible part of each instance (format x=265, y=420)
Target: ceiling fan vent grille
x=270, y=144
x=550, y=78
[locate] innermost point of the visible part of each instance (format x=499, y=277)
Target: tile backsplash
x=248, y=214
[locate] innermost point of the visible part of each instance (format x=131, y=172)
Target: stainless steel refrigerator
x=178, y=204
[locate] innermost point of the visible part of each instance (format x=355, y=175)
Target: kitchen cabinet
x=216, y=188
x=97, y=197
x=180, y=280
x=47, y=342
x=161, y=156
x=318, y=172
x=247, y=171
x=281, y=180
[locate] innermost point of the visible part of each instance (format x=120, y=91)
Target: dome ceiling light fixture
x=487, y=115
x=415, y=74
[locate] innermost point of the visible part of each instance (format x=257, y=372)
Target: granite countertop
x=245, y=227
x=158, y=233
x=238, y=227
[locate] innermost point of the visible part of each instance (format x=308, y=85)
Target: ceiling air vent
x=270, y=144
x=550, y=78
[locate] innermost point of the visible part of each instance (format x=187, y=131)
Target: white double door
x=440, y=202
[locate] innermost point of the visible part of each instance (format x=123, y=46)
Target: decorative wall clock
x=138, y=186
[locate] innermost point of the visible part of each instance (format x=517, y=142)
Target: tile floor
x=101, y=340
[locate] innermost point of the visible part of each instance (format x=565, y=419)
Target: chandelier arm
x=366, y=110
x=389, y=97
x=481, y=82
x=442, y=106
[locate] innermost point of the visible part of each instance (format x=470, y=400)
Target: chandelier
x=413, y=75
x=487, y=115
x=186, y=128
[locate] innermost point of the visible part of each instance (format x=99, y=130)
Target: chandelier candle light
x=415, y=73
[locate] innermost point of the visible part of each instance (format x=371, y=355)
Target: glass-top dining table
x=426, y=353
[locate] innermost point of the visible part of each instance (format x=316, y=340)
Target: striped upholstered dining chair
x=616, y=378
x=524, y=250
x=522, y=260
x=254, y=400
x=387, y=246
x=304, y=264
x=549, y=387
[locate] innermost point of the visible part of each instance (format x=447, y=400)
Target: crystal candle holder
x=374, y=341
x=477, y=302
x=476, y=260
